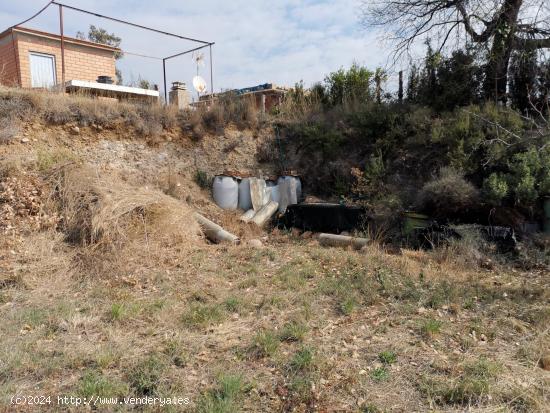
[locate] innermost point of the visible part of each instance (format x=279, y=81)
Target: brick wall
x=8, y=62
x=81, y=62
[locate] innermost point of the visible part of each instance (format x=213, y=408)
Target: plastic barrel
x=245, y=201
x=225, y=190
x=275, y=194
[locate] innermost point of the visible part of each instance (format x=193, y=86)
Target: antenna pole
x=211, y=76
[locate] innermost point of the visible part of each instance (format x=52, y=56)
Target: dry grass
x=147, y=120
x=99, y=209
x=227, y=110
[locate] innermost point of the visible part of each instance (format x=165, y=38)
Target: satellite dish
x=199, y=84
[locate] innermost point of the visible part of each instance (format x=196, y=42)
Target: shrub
x=346, y=86
x=9, y=129
x=495, y=188
x=448, y=192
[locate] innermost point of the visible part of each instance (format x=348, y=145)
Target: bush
x=495, y=188
x=449, y=192
x=9, y=129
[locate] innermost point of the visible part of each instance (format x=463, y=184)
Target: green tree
x=102, y=36
x=498, y=26
x=352, y=85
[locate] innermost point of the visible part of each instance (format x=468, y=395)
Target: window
x=42, y=70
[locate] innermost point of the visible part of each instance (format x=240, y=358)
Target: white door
x=42, y=70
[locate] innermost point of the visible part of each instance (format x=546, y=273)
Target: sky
x=256, y=41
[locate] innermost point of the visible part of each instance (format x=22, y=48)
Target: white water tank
x=275, y=194
x=225, y=190
x=245, y=200
x=293, y=186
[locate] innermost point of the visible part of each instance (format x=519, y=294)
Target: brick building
x=31, y=58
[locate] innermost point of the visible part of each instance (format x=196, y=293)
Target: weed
x=144, y=377
x=470, y=387
x=248, y=283
x=233, y=304
x=174, y=349
x=293, y=331
x=47, y=159
x=347, y=305
x=265, y=344
x=95, y=384
x=443, y=293
x=202, y=315
x=380, y=374
x=201, y=179
x=302, y=360
x=117, y=312
x=223, y=398
x=430, y=328
x=107, y=358
x=387, y=357
x=301, y=387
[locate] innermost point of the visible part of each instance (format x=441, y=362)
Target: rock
x=255, y=243
x=25, y=140
x=307, y=234
x=75, y=130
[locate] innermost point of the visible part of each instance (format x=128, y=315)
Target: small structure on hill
x=265, y=96
x=34, y=59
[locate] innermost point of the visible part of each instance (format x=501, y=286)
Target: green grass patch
x=223, y=398
x=145, y=376
x=302, y=360
x=265, y=344
x=387, y=357
x=202, y=315
x=380, y=374
x=430, y=328
x=347, y=305
x=94, y=383
x=293, y=331
x=471, y=386
x=233, y=304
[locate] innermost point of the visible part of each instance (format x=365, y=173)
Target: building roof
x=54, y=36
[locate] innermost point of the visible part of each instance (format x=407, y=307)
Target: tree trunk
x=496, y=74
